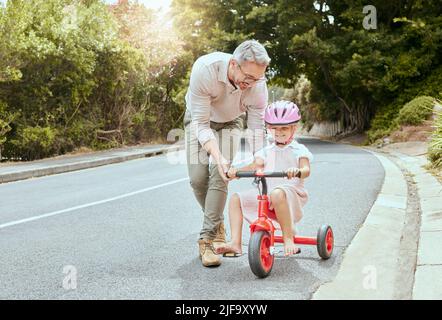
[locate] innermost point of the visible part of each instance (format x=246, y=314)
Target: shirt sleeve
x=260, y=154
x=255, y=117
x=302, y=152
x=199, y=96
x=239, y=163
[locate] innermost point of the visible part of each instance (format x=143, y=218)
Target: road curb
x=369, y=266
x=428, y=275
x=74, y=166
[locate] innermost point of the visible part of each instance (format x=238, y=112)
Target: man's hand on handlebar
x=231, y=174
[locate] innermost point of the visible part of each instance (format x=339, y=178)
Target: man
x=222, y=87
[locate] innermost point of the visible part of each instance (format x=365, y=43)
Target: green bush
x=5, y=120
x=416, y=111
x=435, y=147
x=391, y=117
x=375, y=135
x=383, y=123
x=34, y=142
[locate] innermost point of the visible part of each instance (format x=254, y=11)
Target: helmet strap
x=286, y=142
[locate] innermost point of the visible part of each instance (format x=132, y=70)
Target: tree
x=165, y=65
x=54, y=45
x=80, y=73
x=354, y=72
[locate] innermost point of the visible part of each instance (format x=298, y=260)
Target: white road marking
x=126, y=195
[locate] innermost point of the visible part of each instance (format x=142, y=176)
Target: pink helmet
x=282, y=113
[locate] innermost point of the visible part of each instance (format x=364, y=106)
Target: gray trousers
x=209, y=188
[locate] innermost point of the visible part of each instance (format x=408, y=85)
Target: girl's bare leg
x=279, y=203
x=235, y=221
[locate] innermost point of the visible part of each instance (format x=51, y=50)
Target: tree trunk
x=356, y=118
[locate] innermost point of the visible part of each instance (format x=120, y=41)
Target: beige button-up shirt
x=211, y=97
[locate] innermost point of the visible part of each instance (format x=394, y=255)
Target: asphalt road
x=129, y=231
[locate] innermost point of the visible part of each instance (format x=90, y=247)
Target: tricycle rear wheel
x=260, y=258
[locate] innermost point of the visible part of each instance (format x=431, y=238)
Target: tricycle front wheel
x=260, y=257
x=325, y=242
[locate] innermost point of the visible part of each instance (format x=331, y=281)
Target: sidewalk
x=24, y=170
x=397, y=252
x=428, y=276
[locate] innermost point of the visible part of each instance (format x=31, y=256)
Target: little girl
x=287, y=197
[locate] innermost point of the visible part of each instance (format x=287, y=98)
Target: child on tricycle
x=286, y=197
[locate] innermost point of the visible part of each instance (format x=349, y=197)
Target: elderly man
x=222, y=88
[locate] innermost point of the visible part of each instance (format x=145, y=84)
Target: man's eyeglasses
x=249, y=80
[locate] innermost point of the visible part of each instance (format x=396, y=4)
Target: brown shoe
x=220, y=237
x=207, y=253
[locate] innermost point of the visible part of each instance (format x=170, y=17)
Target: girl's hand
x=292, y=173
x=259, y=164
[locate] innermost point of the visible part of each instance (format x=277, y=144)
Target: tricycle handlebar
x=253, y=174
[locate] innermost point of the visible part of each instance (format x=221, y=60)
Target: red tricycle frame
x=262, y=239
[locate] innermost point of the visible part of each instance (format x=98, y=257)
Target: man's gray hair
x=252, y=51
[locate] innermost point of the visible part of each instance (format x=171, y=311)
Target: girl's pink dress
x=278, y=158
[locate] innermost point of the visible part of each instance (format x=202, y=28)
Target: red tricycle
x=262, y=240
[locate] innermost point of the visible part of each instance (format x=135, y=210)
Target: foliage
x=5, y=120
x=416, y=111
x=34, y=142
x=78, y=73
x=435, y=147
x=354, y=73
x=390, y=118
